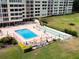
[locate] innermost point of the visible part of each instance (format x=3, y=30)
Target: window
x=27, y=1
x=4, y=10
x=37, y=1
x=37, y=5
x=12, y=14
x=23, y=15
x=11, y=5
x=20, y=9
x=14, y=18
x=16, y=9
x=16, y=14
x=60, y=7
x=27, y=15
x=44, y=5
x=61, y=4
x=31, y=1
x=31, y=11
x=55, y=2
x=36, y=8
x=31, y=8
x=20, y=5
x=31, y=15
x=5, y=19
x=20, y=13
x=15, y=0
x=44, y=8
x=15, y=5
x=23, y=12
x=4, y=5
x=27, y=12
x=5, y=15
x=31, y=5
x=11, y=9
x=55, y=8
x=55, y=5
x=44, y=1
x=37, y=14
x=37, y=11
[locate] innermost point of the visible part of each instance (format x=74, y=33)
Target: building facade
x=18, y=10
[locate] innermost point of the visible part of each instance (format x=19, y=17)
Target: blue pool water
x=25, y=33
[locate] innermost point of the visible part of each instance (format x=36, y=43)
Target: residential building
x=19, y=10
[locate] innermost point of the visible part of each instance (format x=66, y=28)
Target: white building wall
x=9, y=12
x=43, y=12
x=56, y=7
x=0, y=12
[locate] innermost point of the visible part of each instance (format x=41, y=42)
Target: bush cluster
x=44, y=22
x=74, y=33
x=7, y=41
x=72, y=24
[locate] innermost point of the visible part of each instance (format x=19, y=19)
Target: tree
x=76, y=6
x=44, y=21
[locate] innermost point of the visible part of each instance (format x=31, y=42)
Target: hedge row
x=74, y=33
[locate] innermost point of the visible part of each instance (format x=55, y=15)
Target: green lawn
x=62, y=22
x=55, y=50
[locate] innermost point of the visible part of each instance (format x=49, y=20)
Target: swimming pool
x=25, y=33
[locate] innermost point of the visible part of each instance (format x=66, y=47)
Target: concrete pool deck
x=11, y=31
x=43, y=33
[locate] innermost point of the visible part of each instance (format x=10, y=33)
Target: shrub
x=72, y=24
x=43, y=21
x=8, y=40
x=24, y=47
x=14, y=42
x=28, y=49
x=74, y=33
x=4, y=40
x=2, y=45
x=54, y=40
